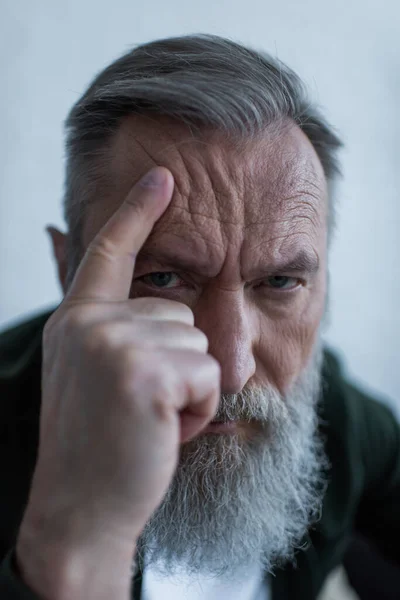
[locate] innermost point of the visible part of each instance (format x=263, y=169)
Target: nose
x=226, y=322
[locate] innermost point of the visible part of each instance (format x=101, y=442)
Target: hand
x=124, y=383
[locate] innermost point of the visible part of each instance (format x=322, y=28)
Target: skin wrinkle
x=173, y=146
x=194, y=213
x=194, y=233
x=244, y=208
x=194, y=186
x=233, y=206
x=234, y=210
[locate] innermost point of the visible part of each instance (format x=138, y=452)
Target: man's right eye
x=161, y=280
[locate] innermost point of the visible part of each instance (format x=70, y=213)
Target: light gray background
x=348, y=51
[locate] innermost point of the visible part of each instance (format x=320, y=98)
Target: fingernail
x=154, y=178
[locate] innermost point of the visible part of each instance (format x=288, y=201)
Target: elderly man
x=195, y=440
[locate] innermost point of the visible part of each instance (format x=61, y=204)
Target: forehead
x=271, y=186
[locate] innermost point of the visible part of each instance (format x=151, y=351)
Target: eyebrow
x=302, y=262
x=176, y=260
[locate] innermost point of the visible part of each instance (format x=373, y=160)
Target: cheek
x=287, y=340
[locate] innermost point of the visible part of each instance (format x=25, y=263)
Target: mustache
x=262, y=404
x=238, y=501
x=266, y=404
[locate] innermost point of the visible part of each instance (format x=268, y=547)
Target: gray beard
x=236, y=503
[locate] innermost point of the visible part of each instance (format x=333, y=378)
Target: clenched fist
x=124, y=383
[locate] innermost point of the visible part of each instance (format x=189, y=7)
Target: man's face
x=243, y=242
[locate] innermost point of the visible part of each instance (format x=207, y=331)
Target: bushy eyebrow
x=176, y=260
x=304, y=262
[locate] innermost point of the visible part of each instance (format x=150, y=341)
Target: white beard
x=235, y=503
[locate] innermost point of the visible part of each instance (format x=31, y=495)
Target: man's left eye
x=281, y=282
x=162, y=279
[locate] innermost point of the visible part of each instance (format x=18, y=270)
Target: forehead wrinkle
x=302, y=209
x=221, y=181
x=172, y=155
x=290, y=223
x=192, y=213
x=157, y=141
x=188, y=232
x=314, y=184
x=294, y=164
x=298, y=208
x=292, y=182
x=188, y=240
x=285, y=237
x=310, y=197
x=198, y=187
x=158, y=159
x=201, y=254
x=211, y=187
x=170, y=132
x=294, y=212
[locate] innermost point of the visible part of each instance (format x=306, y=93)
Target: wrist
x=71, y=568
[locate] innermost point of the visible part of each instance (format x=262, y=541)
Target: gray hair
x=201, y=80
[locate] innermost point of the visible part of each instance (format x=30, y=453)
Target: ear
x=59, y=244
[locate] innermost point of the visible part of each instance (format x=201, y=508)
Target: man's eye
x=161, y=279
x=281, y=282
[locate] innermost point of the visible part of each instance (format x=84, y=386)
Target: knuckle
x=201, y=336
x=130, y=360
x=73, y=321
x=158, y=307
x=187, y=313
x=187, y=335
x=75, y=318
x=64, y=321
x=147, y=306
x=137, y=201
x=102, y=246
x=193, y=337
x=214, y=366
x=98, y=337
x=163, y=389
x=135, y=369
x=146, y=376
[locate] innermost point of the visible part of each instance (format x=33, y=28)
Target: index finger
x=106, y=270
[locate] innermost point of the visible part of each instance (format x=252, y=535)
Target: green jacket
x=362, y=443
